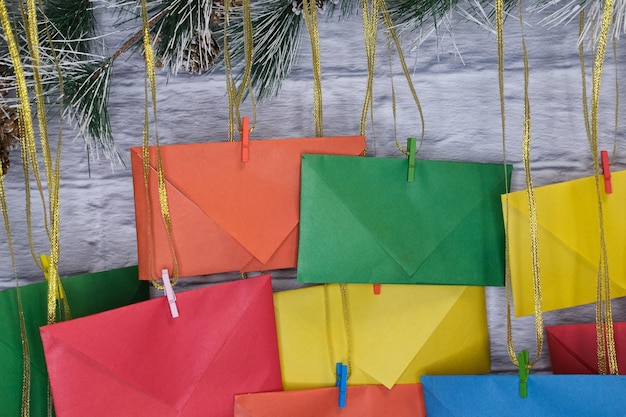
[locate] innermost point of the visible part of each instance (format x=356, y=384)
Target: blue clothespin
x=524, y=371
x=342, y=382
x=412, y=144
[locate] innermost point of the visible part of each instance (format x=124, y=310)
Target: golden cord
x=309, y=11
x=532, y=209
x=346, y=324
x=163, y=200
x=25, y=409
x=391, y=31
x=604, y=313
x=236, y=94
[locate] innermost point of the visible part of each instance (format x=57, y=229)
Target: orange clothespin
x=245, y=139
x=169, y=293
x=377, y=289
x=606, y=171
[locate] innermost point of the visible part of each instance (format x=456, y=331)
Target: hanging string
x=163, y=200
x=532, y=209
x=391, y=32
x=371, y=12
x=370, y=35
x=309, y=11
x=604, y=313
x=236, y=94
x=25, y=407
x=346, y=325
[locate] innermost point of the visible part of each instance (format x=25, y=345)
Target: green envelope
x=87, y=294
x=362, y=221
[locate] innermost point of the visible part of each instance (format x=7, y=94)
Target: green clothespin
x=411, y=145
x=524, y=371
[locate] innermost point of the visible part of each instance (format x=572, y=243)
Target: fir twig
x=276, y=37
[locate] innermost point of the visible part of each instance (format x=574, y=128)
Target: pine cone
x=9, y=135
x=320, y=4
x=200, y=53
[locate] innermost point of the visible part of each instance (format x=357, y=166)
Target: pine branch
x=73, y=20
x=276, y=37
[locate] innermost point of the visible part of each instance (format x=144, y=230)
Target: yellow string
x=532, y=209
x=25, y=408
x=163, y=200
x=236, y=94
x=346, y=325
x=391, y=31
x=309, y=11
x=370, y=33
x=604, y=314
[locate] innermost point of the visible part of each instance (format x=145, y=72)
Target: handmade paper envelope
x=227, y=215
x=86, y=294
x=403, y=400
x=569, y=242
x=573, y=348
x=140, y=361
x=362, y=221
x=397, y=336
x=548, y=396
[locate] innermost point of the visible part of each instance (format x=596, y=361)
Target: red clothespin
x=169, y=293
x=606, y=172
x=245, y=139
x=377, y=289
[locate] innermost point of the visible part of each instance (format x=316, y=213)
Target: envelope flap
x=573, y=347
x=163, y=357
x=396, y=325
x=569, y=212
x=548, y=395
x=256, y=202
x=362, y=401
x=410, y=221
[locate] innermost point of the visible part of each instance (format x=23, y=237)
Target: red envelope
x=403, y=400
x=573, y=348
x=227, y=215
x=139, y=361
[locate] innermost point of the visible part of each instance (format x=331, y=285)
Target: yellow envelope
x=397, y=336
x=569, y=242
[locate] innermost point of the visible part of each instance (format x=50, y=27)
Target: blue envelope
x=548, y=396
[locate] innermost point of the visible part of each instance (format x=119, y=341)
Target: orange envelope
x=404, y=400
x=227, y=215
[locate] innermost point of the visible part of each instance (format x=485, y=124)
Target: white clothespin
x=169, y=293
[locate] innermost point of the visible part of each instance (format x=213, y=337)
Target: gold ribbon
x=25, y=408
x=604, y=314
x=163, y=200
x=346, y=323
x=371, y=14
x=30, y=159
x=532, y=209
x=236, y=94
x=309, y=11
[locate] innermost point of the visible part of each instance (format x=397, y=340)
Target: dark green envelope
x=361, y=221
x=87, y=294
